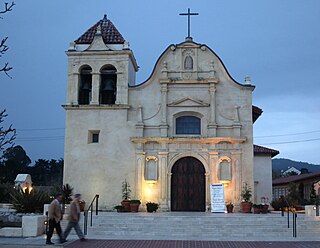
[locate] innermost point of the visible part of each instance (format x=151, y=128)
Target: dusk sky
x=275, y=42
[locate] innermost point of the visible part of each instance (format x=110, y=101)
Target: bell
x=108, y=85
x=86, y=86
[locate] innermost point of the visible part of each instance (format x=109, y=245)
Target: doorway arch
x=188, y=187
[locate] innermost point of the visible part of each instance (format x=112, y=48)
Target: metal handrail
x=86, y=213
x=294, y=217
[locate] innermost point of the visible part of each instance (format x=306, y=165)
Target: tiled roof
x=264, y=150
x=109, y=32
x=297, y=178
x=256, y=112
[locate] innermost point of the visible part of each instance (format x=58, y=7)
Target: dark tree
x=47, y=172
x=7, y=135
x=14, y=161
x=3, y=46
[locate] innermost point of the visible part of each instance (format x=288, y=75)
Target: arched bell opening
x=108, y=86
x=85, y=85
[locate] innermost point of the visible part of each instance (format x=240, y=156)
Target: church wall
x=99, y=168
x=262, y=178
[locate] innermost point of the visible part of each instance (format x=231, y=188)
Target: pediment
x=188, y=102
x=98, y=44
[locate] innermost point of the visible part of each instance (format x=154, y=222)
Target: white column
x=214, y=167
x=95, y=88
x=140, y=163
x=212, y=112
x=236, y=175
x=164, y=100
x=73, y=88
x=163, y=171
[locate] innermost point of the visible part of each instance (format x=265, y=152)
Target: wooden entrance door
x=188, y=185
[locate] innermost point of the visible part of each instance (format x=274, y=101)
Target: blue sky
x=276, y=42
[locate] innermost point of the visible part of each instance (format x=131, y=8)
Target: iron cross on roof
x=189, y=14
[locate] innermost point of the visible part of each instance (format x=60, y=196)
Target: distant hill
x=279, y=164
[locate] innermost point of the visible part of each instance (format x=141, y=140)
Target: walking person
x=74, y=218
x=55, y=216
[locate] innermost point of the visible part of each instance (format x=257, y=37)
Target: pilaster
x=214, y=166
x=164, y=100
x=212, y=126
x=140, y=164
x=73, y=88
x=95, y=88
x=236, y=175
x=163, y=171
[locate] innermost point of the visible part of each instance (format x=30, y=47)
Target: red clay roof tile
x=264, y=150
x=109, y=32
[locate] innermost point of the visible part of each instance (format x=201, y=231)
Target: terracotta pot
x=229, y=208
x=264, y=209
x=126, y=205
x=256, y=210
x=134, y=207
x=82, y=205
x=246, y=207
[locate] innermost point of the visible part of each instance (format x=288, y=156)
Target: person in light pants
x=74, y=218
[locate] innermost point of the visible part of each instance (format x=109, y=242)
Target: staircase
x=201, y=226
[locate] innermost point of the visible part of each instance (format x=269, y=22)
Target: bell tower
x=100, y=67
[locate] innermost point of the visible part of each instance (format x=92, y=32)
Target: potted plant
x=119, y=208
x=264, y=205
x=126, y=192
x=229, y=207
x=256, y=208
x=82, y=205
x=246, y=195
x=152, y=207
x=134, y=205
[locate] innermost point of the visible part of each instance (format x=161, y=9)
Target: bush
x=67, y=193
x=152, y=207
x=278, y=204
x=28, y=201
x=5, y=192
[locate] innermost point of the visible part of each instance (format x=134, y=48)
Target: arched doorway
x=188, y=185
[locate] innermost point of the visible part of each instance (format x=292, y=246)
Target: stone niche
x=151, y=169
x=225, y=169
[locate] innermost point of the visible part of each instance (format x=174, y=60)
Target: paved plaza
x=74, y=243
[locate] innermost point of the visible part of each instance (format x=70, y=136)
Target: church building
x=189, y=125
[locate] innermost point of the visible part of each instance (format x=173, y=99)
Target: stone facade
x=139, y=138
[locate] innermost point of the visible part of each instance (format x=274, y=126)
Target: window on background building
x=188, y=125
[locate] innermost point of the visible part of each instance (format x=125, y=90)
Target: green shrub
x=5, y=189
x=67, y=192
x=152, y=207
x=28, y=201
x=278, y=204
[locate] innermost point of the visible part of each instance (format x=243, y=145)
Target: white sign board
x=217, y=198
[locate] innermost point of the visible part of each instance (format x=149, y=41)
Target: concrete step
x=201, y=226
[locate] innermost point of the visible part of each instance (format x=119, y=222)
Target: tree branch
x=6, y=68
x=3, y=46
x=7, y=136
x=7, y=7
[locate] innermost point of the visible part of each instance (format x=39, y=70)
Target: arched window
x=85, y=85
x=188, y=125
x=108, y=88
x=188, y=63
